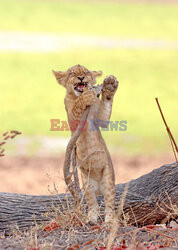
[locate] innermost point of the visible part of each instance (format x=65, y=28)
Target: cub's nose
x=81, y=78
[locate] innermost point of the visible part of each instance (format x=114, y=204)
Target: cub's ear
x=96, y=73
x=60, y=77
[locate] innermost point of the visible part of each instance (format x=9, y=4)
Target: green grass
x=108, y=19
x=30, y=95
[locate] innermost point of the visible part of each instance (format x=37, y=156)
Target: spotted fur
x=92, y=155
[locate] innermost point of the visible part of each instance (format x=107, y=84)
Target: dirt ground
x=44, y=175
x=73, y=237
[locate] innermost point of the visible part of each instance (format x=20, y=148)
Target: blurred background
x=137, y=41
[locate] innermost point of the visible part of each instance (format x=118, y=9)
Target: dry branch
x=6, y=136
x=149, y=199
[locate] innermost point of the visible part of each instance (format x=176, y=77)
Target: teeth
x=80, y=86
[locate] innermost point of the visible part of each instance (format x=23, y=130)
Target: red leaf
x=52, y=226
x=151, y=226
x=96, y=227
x=75, y=221
x=73, y=247
x=88, y=243
x=121, y=247
x=154, y=247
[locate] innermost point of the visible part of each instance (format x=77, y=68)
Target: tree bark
x=148, y=199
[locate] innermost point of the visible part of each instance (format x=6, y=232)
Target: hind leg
x=107, y=187
x=91, y=188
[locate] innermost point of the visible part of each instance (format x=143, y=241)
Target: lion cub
x=91, y=152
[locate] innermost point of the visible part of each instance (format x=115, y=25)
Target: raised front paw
x=110, y=86
x=89, y=97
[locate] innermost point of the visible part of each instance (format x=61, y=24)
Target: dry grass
x=68, y=230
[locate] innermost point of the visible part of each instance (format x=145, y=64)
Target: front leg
x=76, y=107
x=110, y=86
x=87, y=98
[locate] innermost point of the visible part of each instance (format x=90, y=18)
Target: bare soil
x=41, y=175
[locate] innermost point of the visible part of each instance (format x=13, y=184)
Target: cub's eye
x=72, y=74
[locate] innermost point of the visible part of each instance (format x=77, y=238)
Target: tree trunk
x=148, y=199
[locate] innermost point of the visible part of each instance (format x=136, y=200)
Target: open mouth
x=80, y=86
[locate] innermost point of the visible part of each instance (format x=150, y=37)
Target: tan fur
x=92, y=155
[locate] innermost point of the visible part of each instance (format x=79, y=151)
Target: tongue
x=80, y=87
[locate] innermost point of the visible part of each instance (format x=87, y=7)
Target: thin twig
x=173, y=142
x=173, y=149
x=159, y=233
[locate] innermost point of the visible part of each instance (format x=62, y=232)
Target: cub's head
x=76, y=78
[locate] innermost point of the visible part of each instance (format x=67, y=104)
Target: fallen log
x=149, y=199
